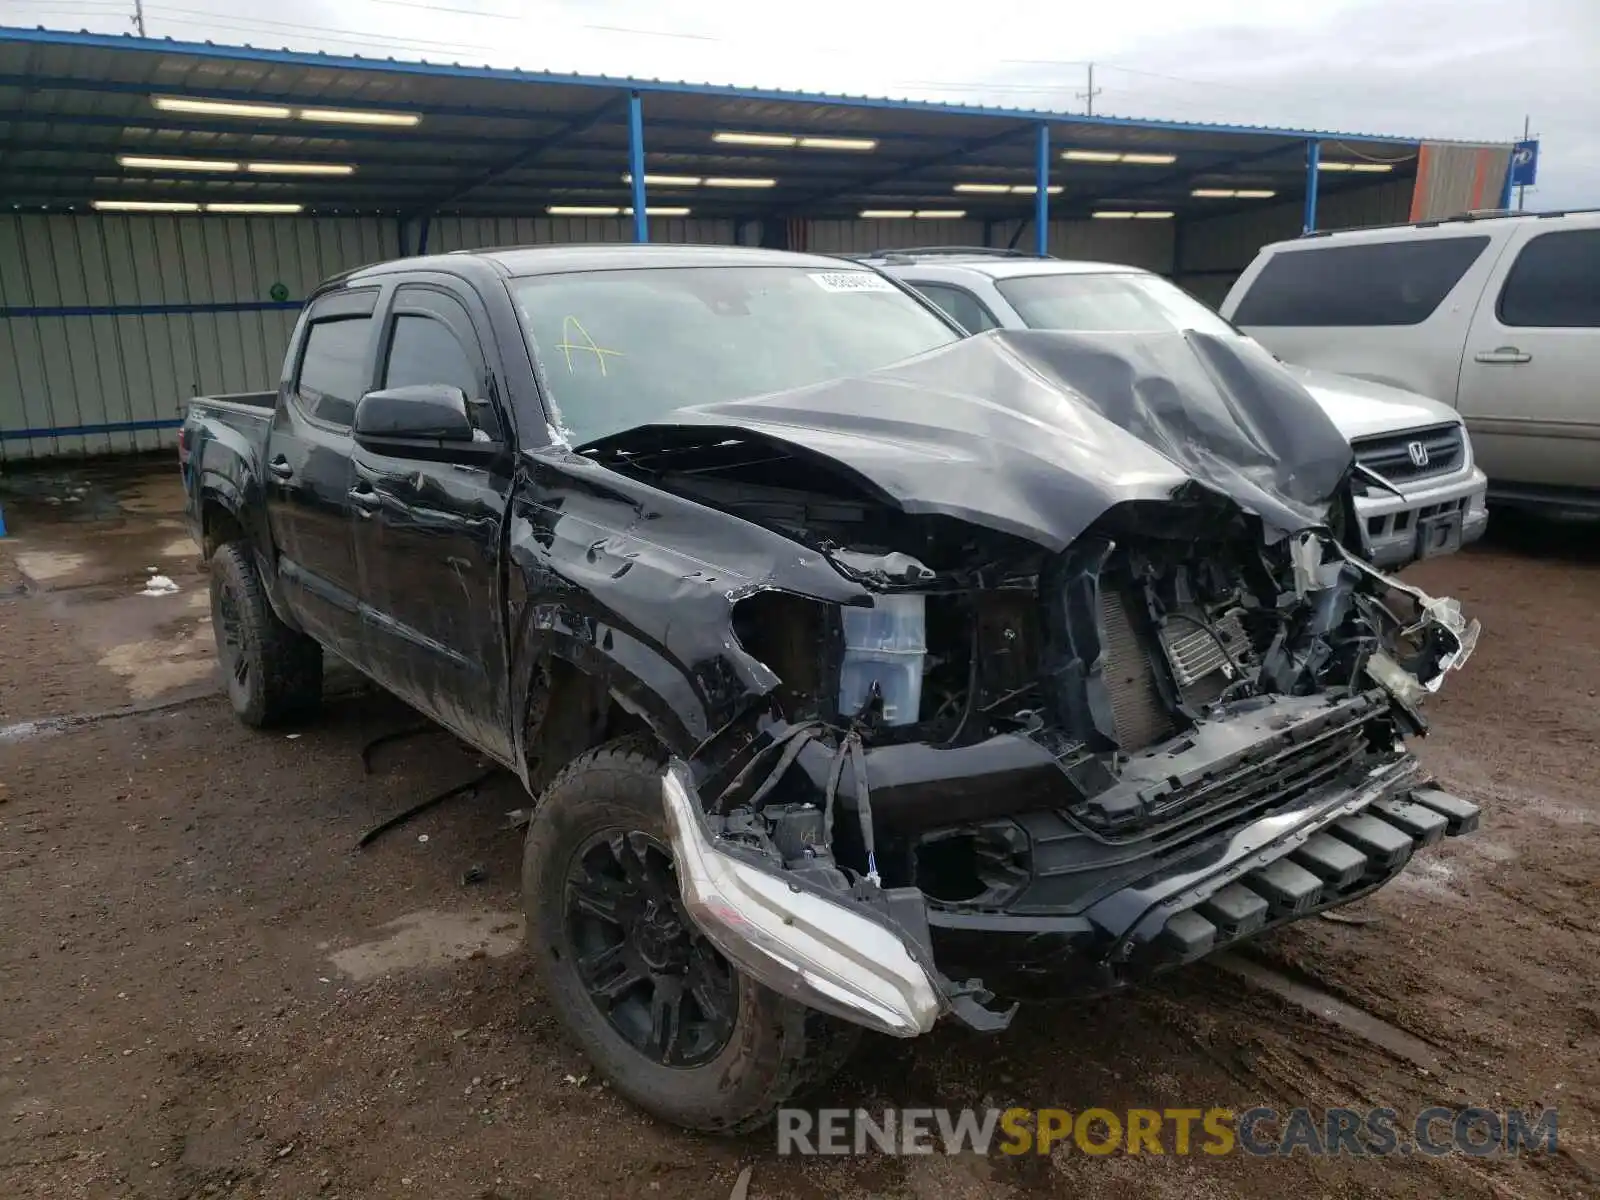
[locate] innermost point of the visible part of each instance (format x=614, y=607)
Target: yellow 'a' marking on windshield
x=567, y=346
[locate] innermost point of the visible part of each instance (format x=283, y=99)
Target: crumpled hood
x=1362, y=407
x=1039, y=433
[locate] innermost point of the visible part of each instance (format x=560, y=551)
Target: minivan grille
x=1415, y=454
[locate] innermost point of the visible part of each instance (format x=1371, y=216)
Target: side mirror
x=430, y=412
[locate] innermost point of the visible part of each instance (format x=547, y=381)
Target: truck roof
x=518, y=261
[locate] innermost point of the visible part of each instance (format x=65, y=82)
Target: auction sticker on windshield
x=851, y=281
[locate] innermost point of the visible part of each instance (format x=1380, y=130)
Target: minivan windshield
x=1109, y=302
x=622, y=348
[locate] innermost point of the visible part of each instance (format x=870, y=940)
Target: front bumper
x=1397, y=530
x=826, y=955
x=1092, y=912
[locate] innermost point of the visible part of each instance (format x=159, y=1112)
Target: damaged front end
x=1067, y=745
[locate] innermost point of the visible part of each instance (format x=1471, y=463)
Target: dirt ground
x=206, y=989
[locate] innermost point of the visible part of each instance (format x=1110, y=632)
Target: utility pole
x=1522, y=192
x=1088, y=96
x=138, y=17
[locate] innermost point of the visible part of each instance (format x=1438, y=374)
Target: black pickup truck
x=862, y=673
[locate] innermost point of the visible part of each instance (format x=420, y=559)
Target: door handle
x=365, y=500
x=280, y=468
x=1505, y=355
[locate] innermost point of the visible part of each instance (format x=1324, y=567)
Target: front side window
x=1555, y=282
x=623, y=348
x=960, y=305
x=333, y=368
x=1375, y=283
x=1109, y=302
x=424, y=350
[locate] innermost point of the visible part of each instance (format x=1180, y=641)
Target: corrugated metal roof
x=505, y=140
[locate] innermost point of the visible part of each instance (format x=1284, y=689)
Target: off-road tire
x=274, y=673
x=778, y=1048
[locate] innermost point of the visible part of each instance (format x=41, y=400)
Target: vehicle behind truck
x=1498, y=315
x=1420, y=494
x=861, y=672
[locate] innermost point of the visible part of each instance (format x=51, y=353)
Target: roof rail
x=1471, y=214
x=909, y=252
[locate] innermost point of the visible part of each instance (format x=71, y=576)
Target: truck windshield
x=622, y=348
x=1109, y=302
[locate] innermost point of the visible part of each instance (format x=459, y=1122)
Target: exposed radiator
x=1140, y=717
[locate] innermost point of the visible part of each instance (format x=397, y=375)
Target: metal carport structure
x=171, y=202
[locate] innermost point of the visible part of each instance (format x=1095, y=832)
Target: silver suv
x=1435, y=499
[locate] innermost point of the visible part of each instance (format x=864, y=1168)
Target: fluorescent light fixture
x=999, y=189
x=805, y=141
x=1233, y=193
x=220, y=108
x=1131, y=157
x=294, y=168
x=666, y=180
x=145, y=206
x=940, y=214
x=652, y=210
x=1212, y=193
x=1373, y=168
x=838, y=143
x=755, y=139
x=348, y=116
x=735, y=181
x=1152, y=216
x=886, y=214
x=1255, y=193
x=254, y=208
x=1117, y=214
x=1333, y=166
x=584, y=210
x=146, y=163
x=1108, y=214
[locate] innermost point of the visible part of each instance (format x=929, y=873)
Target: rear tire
x=736, y=1050
x=272, y=673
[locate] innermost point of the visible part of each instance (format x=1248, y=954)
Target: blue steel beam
x=325, y=62
x=1313, y=168
x=641, y=218
x=1041, y=195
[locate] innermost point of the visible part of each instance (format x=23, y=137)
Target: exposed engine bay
x=1130, y=720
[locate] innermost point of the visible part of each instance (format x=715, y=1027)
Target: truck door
x=428, y=532
x=1528, y=389
x=307, y=468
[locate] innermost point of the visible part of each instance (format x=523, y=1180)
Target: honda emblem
x=1418, y=453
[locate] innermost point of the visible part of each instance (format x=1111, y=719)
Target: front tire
x=660, y=1013
x=273, y=673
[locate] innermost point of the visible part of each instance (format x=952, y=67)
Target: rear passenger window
x=1555, y=282
x=1378, y=283
x=333, y=369
x=960, y=305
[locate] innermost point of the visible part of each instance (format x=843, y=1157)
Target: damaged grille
x=1415, y=454
x=1140, y=716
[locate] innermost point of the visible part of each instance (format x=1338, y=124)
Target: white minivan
x=1496, y=314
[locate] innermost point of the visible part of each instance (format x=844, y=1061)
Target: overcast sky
x=1436, y=68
